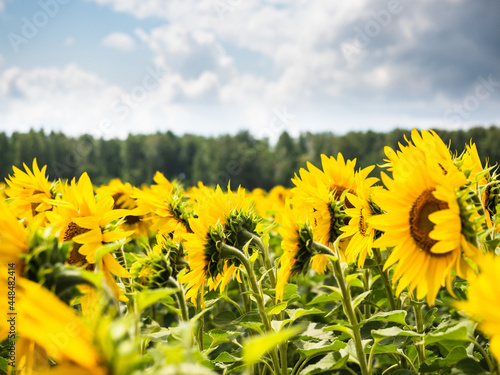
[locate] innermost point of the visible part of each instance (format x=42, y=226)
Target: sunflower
x=49, y=329
x=164, y=206
x=29, y=192
x=13, y=236
x=122, y=194
x=483, y=299
x=203, y=245
x=361, y=234
x=421, y=146
x=299, y=250
x=80, y=217
x=423, y=222
x=321, y=195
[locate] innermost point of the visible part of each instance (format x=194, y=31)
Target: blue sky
x=111, y=67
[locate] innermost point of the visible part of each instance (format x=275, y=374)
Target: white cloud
x=120, y=41
x=2, y=5
x=69, y=41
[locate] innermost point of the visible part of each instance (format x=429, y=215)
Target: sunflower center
x=420, y=225
x=338, y=190
x=73, y=230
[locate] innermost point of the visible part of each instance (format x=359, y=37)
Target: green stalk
x=181, y=299
x=385, y=278
x=232, y=252
x=347, y=305
x=417, y=308
x=265, y=252
x=199, y=334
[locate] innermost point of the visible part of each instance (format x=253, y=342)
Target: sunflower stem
x=385, y=278
x=199, y=334
x=351, y=315
x=232, y=252
x=181, y=299
x=417, y=308
x=265, y=251
x=485, y=355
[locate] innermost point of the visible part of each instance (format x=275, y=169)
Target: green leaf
x=309, y=349
x=396, y=316
x=457, y=332
x=468, y=366
x=324, y=298
x=224, y=318
x=404, y=372
x=4, y=363
x=225, y=357
x=340, y=328
x=255, y=347
x=455, y=355
x=106, y=249
x=360, y=298
x=149, y=297
x=221, y=336
x=273, y=310
x=328, y=363
x=253, y=325
x=350, y=349
x=382, y=349
x=298, y=313
x=315, y=332
x=392, y=332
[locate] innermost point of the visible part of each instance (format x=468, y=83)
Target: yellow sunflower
x=122, y=194
x=48, y=329
x=206, y=263
x=361, y=234
x=483, y=300
x=13, y=236
x=423, y=222
x=321, y=196
x=164, y=206
x=79, y=216
x=298, y=250
x=29, y=192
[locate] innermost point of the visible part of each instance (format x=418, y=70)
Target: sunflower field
x=352, y=271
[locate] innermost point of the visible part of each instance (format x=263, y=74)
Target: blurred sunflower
x=423, y=222
x=80, y=217
x=29, y=192
x=483, y=300
x=49, y=329
x=13, y=236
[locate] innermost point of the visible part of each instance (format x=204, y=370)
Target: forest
x=241, y=158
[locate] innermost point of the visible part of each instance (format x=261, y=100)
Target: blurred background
x=123, y=69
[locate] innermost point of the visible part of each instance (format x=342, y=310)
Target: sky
x=210, y=67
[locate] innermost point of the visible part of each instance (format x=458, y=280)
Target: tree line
x=240, y=158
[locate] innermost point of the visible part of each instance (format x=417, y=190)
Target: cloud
x=69, y=41
x=120, y=41
x=229, y=64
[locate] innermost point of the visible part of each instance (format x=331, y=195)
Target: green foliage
x=241, y=159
